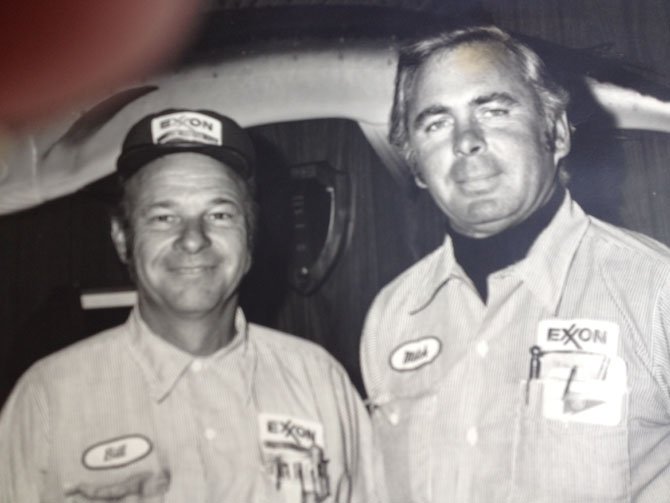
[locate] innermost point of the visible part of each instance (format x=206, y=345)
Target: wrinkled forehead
x=185, y=176
x=468, y=70
x=479, y=58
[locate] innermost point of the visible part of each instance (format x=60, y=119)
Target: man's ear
x=120, y=240
x=418, y=180
x=561, y=137
x=410, y=160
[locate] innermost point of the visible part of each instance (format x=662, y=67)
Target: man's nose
x=469, y=140
x=193, y=237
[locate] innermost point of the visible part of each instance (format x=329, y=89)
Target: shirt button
x=394, y=417
x=196, y=366
x=210, y=434
x=483, y=348
x=472, y=436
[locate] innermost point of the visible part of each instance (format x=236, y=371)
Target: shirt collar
x=437, y=269
x=543, y=270
x=163, y=364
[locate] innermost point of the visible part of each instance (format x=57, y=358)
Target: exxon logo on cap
x=186, y=127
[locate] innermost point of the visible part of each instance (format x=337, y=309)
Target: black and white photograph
x=335, y=251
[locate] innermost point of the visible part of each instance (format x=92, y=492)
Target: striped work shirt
x=124, y=414
x=556, y=390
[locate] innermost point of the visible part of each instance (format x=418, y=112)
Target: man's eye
x=221, y=216
x=162, y=218
x=436, y=125
x=495, y=112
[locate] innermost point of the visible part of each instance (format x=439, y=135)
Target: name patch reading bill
x=594, y=336
x=186, y=127
x=116, y=452
x=415, y=354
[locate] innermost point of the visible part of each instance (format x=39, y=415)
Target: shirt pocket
x=404, y=437
x=120, y=468
x=565, y=459
x=136, y=487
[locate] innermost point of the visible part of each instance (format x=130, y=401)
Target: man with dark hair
x=527, y=359
x=186, y=401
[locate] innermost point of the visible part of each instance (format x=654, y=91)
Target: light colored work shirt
x=269, y=417
x=466, y=414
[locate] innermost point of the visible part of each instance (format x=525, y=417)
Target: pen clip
x=534, y=372
x=573, y=371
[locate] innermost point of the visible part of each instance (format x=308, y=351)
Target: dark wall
x=381, y=241
x=47, y=256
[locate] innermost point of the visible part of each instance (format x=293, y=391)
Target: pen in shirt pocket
x=568, y=365
x=534, y=371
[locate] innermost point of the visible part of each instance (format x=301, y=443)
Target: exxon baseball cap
x=180, y=130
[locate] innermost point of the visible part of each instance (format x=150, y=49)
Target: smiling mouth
x=479, y=185
x=191, y=270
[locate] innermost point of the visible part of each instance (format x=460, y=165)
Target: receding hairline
x=493, y=47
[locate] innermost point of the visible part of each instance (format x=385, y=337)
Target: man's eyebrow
x=159, y=205
x=429, y=112
x=502, y=98
x=223, y=200
x=168, y=204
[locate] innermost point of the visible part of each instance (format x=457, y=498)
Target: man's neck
x=481, y=257
x=198, y=335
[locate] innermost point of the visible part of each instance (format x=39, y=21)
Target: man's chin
x=192, y=304
x=193, y=311
x=484, y=225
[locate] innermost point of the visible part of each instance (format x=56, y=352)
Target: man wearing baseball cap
x=186, y=401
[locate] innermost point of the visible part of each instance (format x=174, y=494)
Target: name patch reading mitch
x=595, y=336
x=116, y=452
x=415, y=354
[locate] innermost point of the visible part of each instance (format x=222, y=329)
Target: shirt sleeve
x=660, y=350
x=24, y=442
x=369, y=351
x=365, y=485
x=373, y=381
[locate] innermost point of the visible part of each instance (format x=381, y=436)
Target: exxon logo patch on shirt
x=595, y=336
x=294, y=457
x=279, y=429
x=415, y=354
x=192, y=127
x=116, y=452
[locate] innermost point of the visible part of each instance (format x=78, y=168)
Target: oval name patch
x=415, y=354
x=116, y=452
